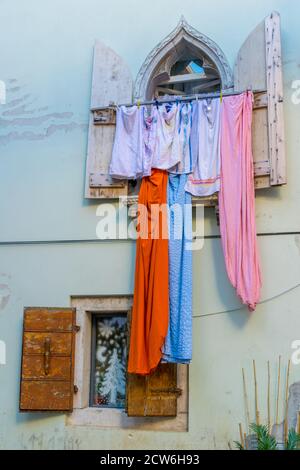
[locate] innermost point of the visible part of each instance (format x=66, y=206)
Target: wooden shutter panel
x=111, y=84
x=47, y=373
x=155, y=394
x=259, y=67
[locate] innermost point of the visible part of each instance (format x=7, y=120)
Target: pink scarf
x=236, y=199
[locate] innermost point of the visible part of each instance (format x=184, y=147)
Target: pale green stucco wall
x=45, y=60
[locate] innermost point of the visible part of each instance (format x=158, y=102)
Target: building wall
x=45, y=255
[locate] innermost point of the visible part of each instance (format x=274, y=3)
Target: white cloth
x=205, y=179
x=127, y=154
x=184, y=138
x=164, y=157
x=144, y=141
x=149, y=138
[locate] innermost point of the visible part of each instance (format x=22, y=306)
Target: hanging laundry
x=150, y=120
x=205, y=179
x=185, y=138
x=127, y=154
x=150, y=314
x=236, y=199
x=178, y=344
x=166, y=127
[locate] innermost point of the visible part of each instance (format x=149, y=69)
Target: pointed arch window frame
x=167, y=48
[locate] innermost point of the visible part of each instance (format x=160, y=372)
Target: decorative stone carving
x=165, y=54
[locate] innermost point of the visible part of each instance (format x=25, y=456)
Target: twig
x=245, y=439
x=256, y=397
x=278, y=391
x=298, y=429
x=286, y=401
x=246, y=400
x=241, y=435
x=269, y=386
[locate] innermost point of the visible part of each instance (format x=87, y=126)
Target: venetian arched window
x=186, y=62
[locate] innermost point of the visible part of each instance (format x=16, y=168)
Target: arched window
x=187, y=62
x=184, y=63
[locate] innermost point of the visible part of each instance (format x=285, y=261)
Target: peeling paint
x=18, y=110
x=34, y=121
x=4, y=295
x=14, y=89
x=29, y=135
x=17, y=101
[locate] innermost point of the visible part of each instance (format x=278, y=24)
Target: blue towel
x=178, y=343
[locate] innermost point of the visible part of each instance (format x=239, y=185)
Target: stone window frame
x=85, y=415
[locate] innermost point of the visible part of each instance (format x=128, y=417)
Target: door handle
x=47, y=350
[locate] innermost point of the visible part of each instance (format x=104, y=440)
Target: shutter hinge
x=104, y=116
x=75, y=389
x=76, y=328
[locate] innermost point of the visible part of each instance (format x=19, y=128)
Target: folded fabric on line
x=236, y=199
x=178, y=344
x=150, y=313
x=205, y=179
x=185, y=138
x=127, y=154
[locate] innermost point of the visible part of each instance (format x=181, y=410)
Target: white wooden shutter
x=258, y=67
x=111, y=84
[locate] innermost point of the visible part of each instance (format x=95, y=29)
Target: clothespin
x=221, y=95
x=138, y=103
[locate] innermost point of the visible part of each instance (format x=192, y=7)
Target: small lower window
x=109, y=356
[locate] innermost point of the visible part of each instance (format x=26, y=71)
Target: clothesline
x=199, y=96
x=198, y=149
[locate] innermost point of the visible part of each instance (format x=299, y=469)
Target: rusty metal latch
x=47, y=349
x=75, y=389
x=104, y=116
x=167, y=391
x=76, y=328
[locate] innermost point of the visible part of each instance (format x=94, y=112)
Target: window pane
x=109, y=371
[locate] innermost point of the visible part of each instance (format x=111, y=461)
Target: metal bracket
x=104, y=116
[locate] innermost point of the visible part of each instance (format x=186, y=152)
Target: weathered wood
x=111, y=83
x=169, y=91
x=250, y=65
x=260, y=141
x=258, y=67
x=33, y=368
x=98, y=180
x=275, y=100
x=155, y=394
x=186, y=77
x=61, y=343
x=45, y=396
x=48, y=359
x=48, y=319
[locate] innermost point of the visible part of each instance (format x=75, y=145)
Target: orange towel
x=150, y=314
